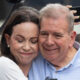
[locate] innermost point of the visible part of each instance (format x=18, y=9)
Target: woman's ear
x=7, y=37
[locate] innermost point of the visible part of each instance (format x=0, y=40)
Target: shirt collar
x=77, y=46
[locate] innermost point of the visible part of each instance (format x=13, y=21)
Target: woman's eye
x=19, y=40
x=34, y=41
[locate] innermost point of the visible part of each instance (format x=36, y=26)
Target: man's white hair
x=55, y=11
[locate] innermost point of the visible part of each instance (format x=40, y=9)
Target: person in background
x=19, y=43
x=59, y=57
x=78, y=38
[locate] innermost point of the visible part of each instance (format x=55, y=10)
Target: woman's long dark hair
x=20, y=15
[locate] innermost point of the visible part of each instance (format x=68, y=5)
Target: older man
x=61, y=54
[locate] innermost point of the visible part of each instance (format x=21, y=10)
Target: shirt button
x=55, y=71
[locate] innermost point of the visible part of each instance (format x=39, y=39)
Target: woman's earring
x=8, y=46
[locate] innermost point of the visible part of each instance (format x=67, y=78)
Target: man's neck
x=25, y=69
x=67, y=59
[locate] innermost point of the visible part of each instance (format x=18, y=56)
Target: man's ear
x=73, y=36
x=7, y=37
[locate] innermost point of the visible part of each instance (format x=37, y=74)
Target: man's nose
x=50, y=40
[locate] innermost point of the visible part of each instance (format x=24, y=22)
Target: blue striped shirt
x=42, y=69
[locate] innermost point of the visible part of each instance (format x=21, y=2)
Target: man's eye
x=43, y=33
x=58, y=36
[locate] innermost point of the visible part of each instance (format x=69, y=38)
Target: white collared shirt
x=9, y=70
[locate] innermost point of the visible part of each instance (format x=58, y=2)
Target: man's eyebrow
x=58, y=33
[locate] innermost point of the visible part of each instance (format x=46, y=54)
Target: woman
x=19, y=44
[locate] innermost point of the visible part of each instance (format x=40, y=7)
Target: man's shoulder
x=39, y=59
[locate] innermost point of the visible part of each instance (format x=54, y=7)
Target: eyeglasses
x=47, y=78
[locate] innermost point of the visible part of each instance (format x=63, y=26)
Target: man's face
x=54, y=40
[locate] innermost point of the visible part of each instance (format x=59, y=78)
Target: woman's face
x=24, y=42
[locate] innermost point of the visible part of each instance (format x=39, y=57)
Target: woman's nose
x=26, y=46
